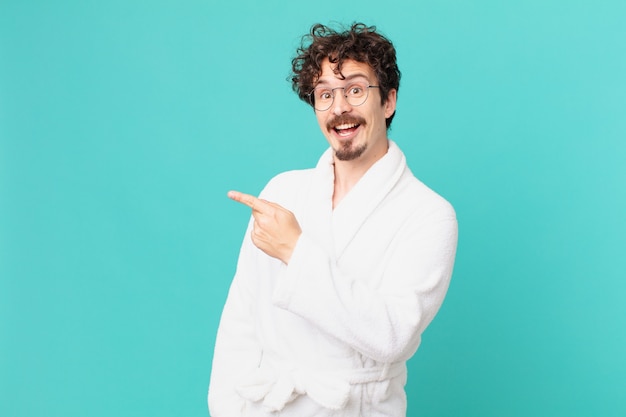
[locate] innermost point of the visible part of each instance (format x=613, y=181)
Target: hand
x=276, y=230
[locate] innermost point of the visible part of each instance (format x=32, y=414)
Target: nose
x=340, y=104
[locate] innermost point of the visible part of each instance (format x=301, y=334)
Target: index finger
x=247, y=199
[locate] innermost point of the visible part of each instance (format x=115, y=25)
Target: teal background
x=124, y=123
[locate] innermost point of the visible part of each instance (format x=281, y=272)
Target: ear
x=390, y=104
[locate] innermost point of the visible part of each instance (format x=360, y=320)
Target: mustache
x=344, y=119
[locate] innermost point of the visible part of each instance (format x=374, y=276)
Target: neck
x=348, y=173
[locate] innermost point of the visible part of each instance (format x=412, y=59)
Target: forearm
x=383, y=322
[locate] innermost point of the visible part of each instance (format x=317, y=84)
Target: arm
x=383, y=323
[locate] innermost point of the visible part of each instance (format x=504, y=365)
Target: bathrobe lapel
x=335, y=229
x=365, y=196
x=318, y=208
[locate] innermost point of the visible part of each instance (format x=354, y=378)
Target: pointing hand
x=276, y=230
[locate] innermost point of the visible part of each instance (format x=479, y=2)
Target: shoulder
x=418, y=202
x=423, y=216
x=428, y=198
x=419, y=199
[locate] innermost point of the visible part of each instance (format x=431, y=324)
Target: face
x=356, y=133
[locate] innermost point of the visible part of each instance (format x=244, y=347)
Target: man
x=344, y=265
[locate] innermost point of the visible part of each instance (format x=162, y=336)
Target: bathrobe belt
x=329, y=388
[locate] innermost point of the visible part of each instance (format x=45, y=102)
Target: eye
x=323, y=95
x=355, y=90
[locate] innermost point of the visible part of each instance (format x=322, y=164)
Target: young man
x=344, y=265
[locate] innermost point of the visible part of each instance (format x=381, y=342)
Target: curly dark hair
x=360, y=43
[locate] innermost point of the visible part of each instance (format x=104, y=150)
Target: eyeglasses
x=321, y=98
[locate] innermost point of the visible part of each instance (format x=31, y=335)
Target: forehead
x=350, y=69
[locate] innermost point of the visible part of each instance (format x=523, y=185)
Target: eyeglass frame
x=332, y=90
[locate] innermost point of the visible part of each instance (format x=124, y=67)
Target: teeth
x=346, y=126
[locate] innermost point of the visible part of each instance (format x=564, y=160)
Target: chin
x=349, y=153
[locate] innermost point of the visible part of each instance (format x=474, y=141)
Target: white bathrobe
x=329, y=334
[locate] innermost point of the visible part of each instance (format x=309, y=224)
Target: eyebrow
x=347, y=78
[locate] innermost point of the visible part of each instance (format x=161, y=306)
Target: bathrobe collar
x=346, y=219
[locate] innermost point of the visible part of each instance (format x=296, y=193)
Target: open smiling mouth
x=346, y=129
x=345, y=125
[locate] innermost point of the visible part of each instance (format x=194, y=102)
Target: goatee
x=347, y=153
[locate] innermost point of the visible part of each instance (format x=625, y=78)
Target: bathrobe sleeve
x=236, y=348
x=384, y=321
